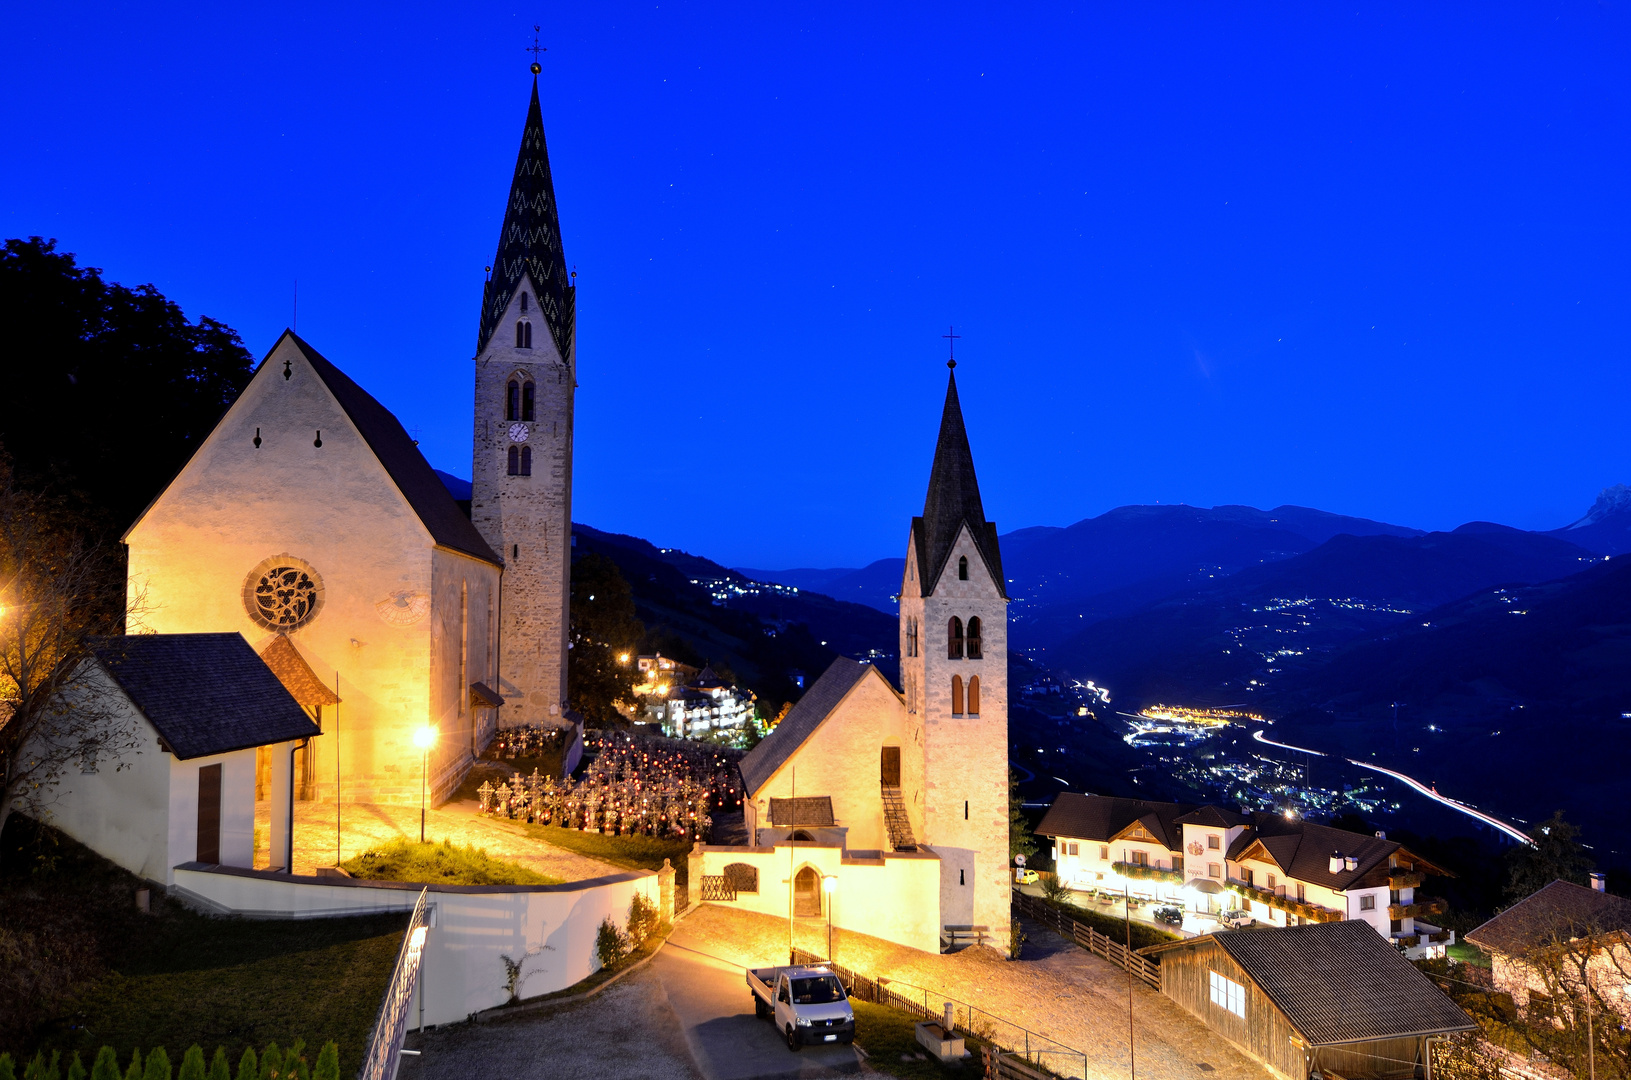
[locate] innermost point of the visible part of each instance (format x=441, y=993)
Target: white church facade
x=886, y=809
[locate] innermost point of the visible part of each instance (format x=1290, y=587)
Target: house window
x=1228, y=994
x=974, y=696
x=1271, y=881
x=1367, y=903
x=954, y=639
x=1302, y=892
x=957, y=695
x=515, y=461
x=1214, y=870
x=523, y=334
x=974, y=638
x=1141, y=858
x=1213, y=841
x=1246, y=874
x=512, y=401
x=526, y=461
x=526, y=400
x=1071, y=848
x=1104, y=852
x=962, y=568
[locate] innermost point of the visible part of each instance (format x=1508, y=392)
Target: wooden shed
x=1336, y=997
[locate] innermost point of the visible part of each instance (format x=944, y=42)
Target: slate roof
x=1099, y=817
x=812, y=810
x=412, y=474
x=484, y=696
x=296, y=675
x=1303, y=849
x=204, y=693
x=1561, y=909
x=953, y=500
x=1338, y=982
x=529, y=242
x=816, y=705
x=1215, y=816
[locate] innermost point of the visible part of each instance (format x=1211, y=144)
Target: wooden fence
x=1088, y=938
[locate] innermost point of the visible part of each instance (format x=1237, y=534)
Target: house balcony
x=1277, y=898
x=1144, y=872
x=1425, y=942
x=1404, y=879
x=1426, y=905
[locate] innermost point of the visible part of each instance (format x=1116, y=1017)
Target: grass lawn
x=1468, y=954
x=94, y=971
x=885, y=1034
x=631, y=852
x=440, y=864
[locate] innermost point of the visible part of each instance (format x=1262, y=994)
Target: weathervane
x=535, y=49
x=951, y=346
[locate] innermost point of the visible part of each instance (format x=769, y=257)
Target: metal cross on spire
x=535, y=49
x=951, y=346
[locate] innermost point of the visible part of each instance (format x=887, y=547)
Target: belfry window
x=957, y=695
x=523, y=303
x=954, y=639
x=974, y=638
x=526, y=400
x=523, y=334
x=515, y=461
x=512, y=401
x=974, y=696
x=962, y=568
x=526, y=461
x=911, y=635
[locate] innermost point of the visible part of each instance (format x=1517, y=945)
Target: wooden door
x=209, y=814
x=807, y=892
x=889, y=766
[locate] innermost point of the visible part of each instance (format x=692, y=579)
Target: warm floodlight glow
x=622, y=658
x=829, y=883
x=425, y=738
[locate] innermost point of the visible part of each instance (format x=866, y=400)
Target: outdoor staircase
x=894, y=818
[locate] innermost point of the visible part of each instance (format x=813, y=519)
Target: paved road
x=727, y=1042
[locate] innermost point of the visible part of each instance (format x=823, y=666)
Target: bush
x=642, y=920
x=158, y=1065
x=192, y=1064
x=272, y=1064
x=1054, y=888
x=611, y=944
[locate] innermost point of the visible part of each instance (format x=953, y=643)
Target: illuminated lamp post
x=424, y=738
x=829, y=884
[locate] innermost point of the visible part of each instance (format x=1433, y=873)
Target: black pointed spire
x=953, y=501
x=530, y=243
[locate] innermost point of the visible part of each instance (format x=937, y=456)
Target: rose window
x=283, y=593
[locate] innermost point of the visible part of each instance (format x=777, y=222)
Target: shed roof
x=295, y=674
x=204, y=693
x=1560, y=910
x=812, y=810
x=1338, y=982
x=818, y=702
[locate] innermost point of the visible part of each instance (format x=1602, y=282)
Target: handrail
x=391, y=1022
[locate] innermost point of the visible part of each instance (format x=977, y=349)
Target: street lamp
x=828, y=884
x=424, y=738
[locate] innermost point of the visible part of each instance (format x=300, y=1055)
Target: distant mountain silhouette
x=1606, y=528
x=874, y=585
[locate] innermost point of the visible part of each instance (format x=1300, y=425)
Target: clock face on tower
x=518, y=433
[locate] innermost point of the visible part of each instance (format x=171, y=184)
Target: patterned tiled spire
x=953, y=501
x=530, y=243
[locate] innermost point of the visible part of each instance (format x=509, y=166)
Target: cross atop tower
x=951, y=346
x=535, y=49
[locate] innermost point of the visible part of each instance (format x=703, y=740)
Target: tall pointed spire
x=953, y=501
x=530, y=243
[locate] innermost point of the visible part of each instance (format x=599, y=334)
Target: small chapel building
x=887, y=808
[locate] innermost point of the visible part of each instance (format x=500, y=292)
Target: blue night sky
x=1367, y=258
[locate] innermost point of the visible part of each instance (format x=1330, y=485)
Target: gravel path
x=1056, y=989
x=366, y=826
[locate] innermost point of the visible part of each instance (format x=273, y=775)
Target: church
x=886, y=810
x=309, y=522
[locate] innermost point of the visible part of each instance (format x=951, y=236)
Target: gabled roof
x=953, y=501
x=529, y=242
x=407, y=467
x=1215, y=816
x=204, y=693
x=1560, y=911
x=1338, y=982
x=818, y=702
x=296, y=675
x=1303, y=849
x=1101, y=818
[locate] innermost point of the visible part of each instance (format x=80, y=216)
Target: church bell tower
x=521, y=497
x=954, y=676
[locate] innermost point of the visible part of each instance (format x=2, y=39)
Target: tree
x=1020, y=840
x=605, y=635
x=1577, y=971
x=1555, y=855
x=55, y=717
x=143, y=385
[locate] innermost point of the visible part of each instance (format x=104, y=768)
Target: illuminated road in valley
x=1412, y=783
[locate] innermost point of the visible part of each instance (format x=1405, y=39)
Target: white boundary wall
x=550, y=928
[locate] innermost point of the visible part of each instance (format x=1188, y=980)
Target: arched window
x=523, y=335
x=515, y=461
x=974, y=695
x=911, y=636
x=526, y=461
x=742, y=877
x=954, y=639
x=974, y=638
x=512, y=401
x=962, y=568
x=523, y=303
x=526, y=400
x=957, y=695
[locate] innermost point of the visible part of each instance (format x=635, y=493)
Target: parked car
x=1170, y=915
x=1025, y=877
x=807, y=1004
x=1236, y=918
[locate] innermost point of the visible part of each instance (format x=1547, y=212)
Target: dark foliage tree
x=600, y=669
x=109, y=389
x=1556, y=855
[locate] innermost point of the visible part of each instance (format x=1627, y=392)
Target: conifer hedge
x=270, y=1064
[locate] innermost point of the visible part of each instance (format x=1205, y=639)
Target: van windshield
x=818, y=990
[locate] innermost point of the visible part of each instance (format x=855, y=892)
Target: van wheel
x=759, y=1009
x=792, y=1038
